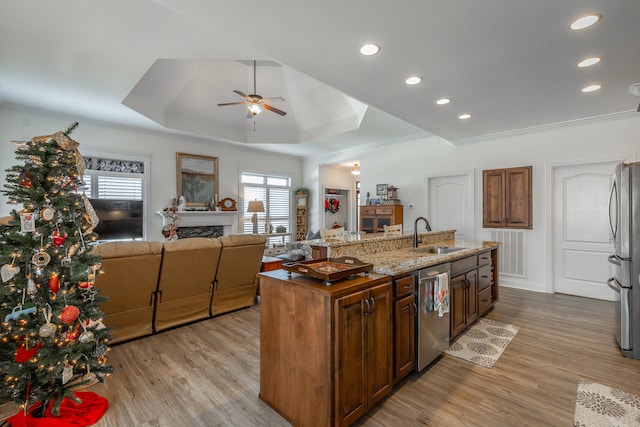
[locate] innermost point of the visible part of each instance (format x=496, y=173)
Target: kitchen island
x=328, y=353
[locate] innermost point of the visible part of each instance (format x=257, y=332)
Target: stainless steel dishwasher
x=433, y=330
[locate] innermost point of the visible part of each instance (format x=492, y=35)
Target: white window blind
x=275, y=194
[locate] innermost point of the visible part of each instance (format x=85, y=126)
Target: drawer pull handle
x=407, y=286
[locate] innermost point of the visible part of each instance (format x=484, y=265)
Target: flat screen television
x=119, y=219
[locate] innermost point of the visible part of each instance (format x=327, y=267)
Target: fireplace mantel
x=202, y=219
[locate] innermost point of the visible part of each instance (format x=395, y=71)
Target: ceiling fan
x=256, y=103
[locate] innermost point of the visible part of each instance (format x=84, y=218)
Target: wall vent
x=511, y=259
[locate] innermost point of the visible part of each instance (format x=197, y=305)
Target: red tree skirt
x=72, y=414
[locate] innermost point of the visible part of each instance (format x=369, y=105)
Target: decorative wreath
x=331, y=205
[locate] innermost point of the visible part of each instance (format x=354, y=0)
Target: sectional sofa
x=154, y=286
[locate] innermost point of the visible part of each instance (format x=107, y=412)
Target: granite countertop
x=405, y=260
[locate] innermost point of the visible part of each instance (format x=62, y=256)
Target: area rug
x=598, y=405
x=484, y=342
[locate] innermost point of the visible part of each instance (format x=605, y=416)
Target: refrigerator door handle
x=612, y=203
x=615, y=287
x=614, y=259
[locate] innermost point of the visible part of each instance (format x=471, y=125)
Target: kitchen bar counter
x=395, y=255
x=405, y=260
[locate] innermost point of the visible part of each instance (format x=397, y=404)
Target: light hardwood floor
x=207, y=374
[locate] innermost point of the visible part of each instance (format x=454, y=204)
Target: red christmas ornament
x=22, y=355
x=54, y=283
x=72, y=335
x=58, y=239
x=69, y=314
x=84, y=285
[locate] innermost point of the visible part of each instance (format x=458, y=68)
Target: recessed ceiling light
x=464, y=116
x=584, y=22
x=369, y=49
x=443, y=101
x=589, y=62
x=591, y=88
x=413, y=80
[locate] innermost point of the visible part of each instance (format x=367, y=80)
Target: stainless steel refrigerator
x=624, y=220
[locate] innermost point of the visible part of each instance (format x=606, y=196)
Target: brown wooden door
x=405, y=342
x=458, y=302
x=379, y=333
x=471, y=296
x=492, y=198
x=350, y=355
x=518, y=197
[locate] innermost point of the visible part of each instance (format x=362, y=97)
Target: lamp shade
x=255, y=206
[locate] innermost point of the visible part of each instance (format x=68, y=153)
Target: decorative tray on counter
x=328, y=269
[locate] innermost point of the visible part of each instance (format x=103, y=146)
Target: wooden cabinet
x=374, y=218
x=325, y=351
x=473, y=288
x=302, y=217
x=463, y=293
x=404, y=328
x=363, y=351
x=506, y=198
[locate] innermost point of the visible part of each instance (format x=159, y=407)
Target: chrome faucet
x=415, y=230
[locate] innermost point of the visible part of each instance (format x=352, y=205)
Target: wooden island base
x=325, y=351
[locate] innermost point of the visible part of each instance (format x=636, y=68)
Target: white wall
x=20, y=123
x=405, y=165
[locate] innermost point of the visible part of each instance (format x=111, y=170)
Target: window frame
x=146, y=185
x=244, y=219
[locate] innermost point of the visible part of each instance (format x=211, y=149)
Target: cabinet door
x=471, y=295
x=405, y=342
x=518, y=197
x=350, y=355
x=458, y=304
x=367, y=224
x=383, y=220
x=380, y=338
x=492, y=198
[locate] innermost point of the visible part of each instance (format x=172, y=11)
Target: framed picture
x=197, y=179
x=381, y=190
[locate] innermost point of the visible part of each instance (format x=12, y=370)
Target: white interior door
x=451, y=204
x=581, y=237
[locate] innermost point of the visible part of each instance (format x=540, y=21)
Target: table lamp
x=255, y=206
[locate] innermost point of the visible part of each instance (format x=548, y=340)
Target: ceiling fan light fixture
x=255, y=109
x=584, y=22
x=356, y=170
x=369, y=49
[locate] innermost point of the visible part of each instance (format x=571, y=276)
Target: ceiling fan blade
x=241, y=94
x=275, y=98
x=275, y=110
x=232, y=103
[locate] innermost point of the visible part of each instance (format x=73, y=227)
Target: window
x=116, y=188
x=275, y=194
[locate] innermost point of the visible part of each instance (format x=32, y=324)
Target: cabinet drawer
x=484, y=277
x=463, y=264
x=368, y=211
x=484, y=301
x=385, y=210
x=404, y=286
x=484, y=258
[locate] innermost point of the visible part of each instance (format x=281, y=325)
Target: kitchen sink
x=436, y=250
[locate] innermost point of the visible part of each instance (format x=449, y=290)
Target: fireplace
x=201, y=223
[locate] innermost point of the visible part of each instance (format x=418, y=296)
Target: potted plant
x=302, y=190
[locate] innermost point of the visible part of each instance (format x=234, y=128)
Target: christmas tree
x=52, y=339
